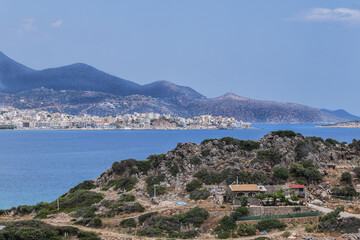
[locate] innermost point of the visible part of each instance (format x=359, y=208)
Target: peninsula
x=284, y=185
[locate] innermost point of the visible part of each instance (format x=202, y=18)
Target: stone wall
x=277, y=210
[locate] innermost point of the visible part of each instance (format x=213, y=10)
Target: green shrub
x=199, y=194
x=247, y=145
x=193, y=185
x=155, y=160
x=209, y=177
x=88, y=236
x=349, y=225
x=346, y=191
x=331, y=141
x=151, y=181
x=271, y=156
x=270, y=224
x=205, y=152
x=286, y=234
x=125, y=183
x=346, y=177
x=127, y=198
x=144, y=166
x=146, y=216
x=281, y=174
x=174, y=170
x=245, y=229
x=243, y=200
x=356, y=170
x=239, y=212
x=195, y=216
x=128, y=223
x=222, y=234
x=90, y=222
x=120, y=167
x=195, y=161
x=86, y=185
x=311, y=174
x=285, y=133
x=227, y=224
x=330, y=220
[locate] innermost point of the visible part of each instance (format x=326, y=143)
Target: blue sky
x=300, y=51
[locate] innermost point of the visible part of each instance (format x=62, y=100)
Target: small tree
x=346, y=177
x=245, y=229
x=239, y=212
x=243, y=200
x=357, y=171
x=281, y=174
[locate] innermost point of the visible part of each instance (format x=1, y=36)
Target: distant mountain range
x=82, y=89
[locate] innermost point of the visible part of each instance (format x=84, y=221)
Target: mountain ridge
x=82, y=89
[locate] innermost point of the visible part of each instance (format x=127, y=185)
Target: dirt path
x=327, y=210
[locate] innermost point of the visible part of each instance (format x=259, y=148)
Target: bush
x=270, y=224
x=331, y=141
x=243, y=200
x=193, y=185
x=155, y=180
x=90, y=222
x=330, y=220
x=86, y=185
x=222, y=234
x=284, y=133
x=271, y=156
x=174, y=170
x=209, y=177
x=281, y=174
x=195, y=216
x=120, y=167
x=127, y=198
x=239, y=212
x=227, y=224
x=205, y=152
x=245, y=229
x=346, y=191
x=199, y=194
x=195, y=161
x=356, y=170
x=128, y=223
x=349, y=225
x=286, y=234
x=125, y=183
x=310, y=174
x=247, y=145
x=346, y=177
x=146, y=216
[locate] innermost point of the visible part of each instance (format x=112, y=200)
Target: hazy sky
x=300, y=51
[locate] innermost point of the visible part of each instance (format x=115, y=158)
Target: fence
x=294, y=215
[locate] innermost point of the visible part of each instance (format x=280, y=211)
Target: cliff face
x=221, y=161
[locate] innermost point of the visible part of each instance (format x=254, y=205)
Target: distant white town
x=12, y=118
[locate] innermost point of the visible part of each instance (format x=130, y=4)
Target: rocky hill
x=82, y=89
x=139, y=197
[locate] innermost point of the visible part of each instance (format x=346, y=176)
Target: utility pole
x=237, y=180
x=58, y=204
x=155, y=192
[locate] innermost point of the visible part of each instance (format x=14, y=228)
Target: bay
x=41, y=165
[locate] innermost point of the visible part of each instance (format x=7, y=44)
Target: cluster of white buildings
x=34, y=119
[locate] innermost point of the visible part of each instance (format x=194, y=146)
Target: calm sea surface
x=41, y=165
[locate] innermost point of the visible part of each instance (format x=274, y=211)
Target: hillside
x=123, y=197
x=82, y=89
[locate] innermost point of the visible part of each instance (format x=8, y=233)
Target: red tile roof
x=244, y=188
x=297, y=186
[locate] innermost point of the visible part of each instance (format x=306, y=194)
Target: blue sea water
x=41, y=165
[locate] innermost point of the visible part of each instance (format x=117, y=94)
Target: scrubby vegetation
x=86, y=185
x=346, y=191
x=194, y=185
x=128, y=223
x=90, y=222
x=161, y=226
x=281, y=174
x=209, y=177
x=346, y=177
x=239, y=212
x=126, y=184
x=285, y=133
x=247, y=145
x=305, y=171
x=146, y=216
x=152, y=182
x=199, y=194
x=245, y=229
x=32, y=229
x=271, y=156
x=270, y=224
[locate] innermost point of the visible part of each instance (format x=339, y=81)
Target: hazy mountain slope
x=342, y=114
x=169, y=90
x=260, y=111
x=15, y=78
x=9, y=69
